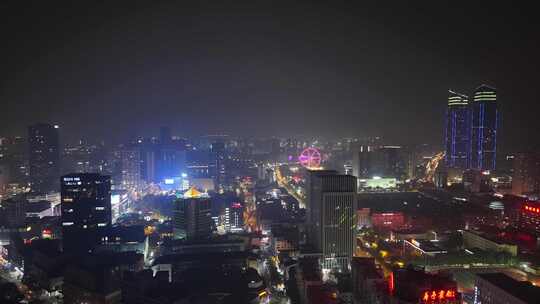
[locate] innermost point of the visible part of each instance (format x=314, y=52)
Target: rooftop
x=524, y=291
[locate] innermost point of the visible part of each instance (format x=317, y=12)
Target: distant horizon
x=261, y=69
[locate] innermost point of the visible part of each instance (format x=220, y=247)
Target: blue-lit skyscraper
x=458, y=131
x=485, y=120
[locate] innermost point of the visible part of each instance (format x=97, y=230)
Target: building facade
x=86, y=210
x=43, y=157
x=192, y=216
x=332, y=206
x=130, y=166
x=529, y=218
x=458, y=131
x=485, y=122
x=526, y=175
x=498, y=288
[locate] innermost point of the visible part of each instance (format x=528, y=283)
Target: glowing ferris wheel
x=310, y=158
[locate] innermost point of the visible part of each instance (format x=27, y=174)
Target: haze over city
x=264, y=68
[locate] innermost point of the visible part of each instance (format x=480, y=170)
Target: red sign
x=46, y=233
x=441, y=295
x=532, y=209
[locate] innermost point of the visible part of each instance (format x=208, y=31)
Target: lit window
x=67, y=223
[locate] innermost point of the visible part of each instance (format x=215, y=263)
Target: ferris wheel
x=310, y=158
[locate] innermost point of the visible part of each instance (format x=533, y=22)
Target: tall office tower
x=130, y=166
x=331, y=212
x=86, y=210
x=384, y=161
x=526, y=176
x=192, y=216
x=485, y=120
x=458, y=131
x=217, y=151
x=43, y=144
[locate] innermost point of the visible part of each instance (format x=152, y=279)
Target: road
x=282, y=182
x=274, y=279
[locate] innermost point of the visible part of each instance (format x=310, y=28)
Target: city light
x=216, y=155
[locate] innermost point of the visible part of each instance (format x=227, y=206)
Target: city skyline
x=313, y=70
x=269, y=152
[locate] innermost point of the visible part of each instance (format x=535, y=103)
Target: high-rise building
x=199, y=164
x=217, y=151
x=485, y=121
x=331, y=216
x=130, y=163
x=86, y=210
x=234, y=220
x=458, y=131
x=15, y=152
x=192, y=215
x=44, y=156
x=171, y=160
x=529, y=218
x=526, y=175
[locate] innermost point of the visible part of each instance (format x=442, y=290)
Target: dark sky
x=265, y=67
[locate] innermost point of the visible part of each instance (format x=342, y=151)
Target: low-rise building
x=366, y=281
x=415, y=286
x=498, y=288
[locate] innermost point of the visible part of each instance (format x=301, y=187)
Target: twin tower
x=471, y=129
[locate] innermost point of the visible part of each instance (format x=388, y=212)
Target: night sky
x=264, y=68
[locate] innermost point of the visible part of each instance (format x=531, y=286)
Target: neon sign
x=441, y=295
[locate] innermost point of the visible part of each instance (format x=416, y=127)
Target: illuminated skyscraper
x=485, y=120
x=192, y=216
x=44, y=155
x=130, y=169
x=331, y=213
x=458, y=131
x=86, y=210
